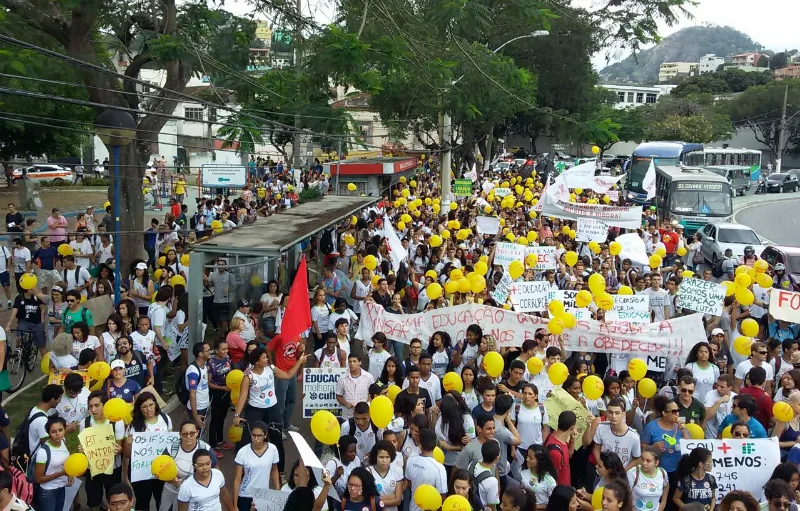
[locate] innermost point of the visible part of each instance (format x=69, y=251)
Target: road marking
x=26, y=387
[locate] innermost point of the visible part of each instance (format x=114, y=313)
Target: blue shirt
x=756, y=429
x=781, y=333
x=46, y=257
x=653, y=433
x=333, y=285
x=126, y=392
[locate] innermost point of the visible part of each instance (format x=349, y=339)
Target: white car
x=46, y=172
x=716, y=238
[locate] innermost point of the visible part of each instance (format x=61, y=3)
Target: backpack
x=20, y=486
x=555, y=447
x=716, y=268
x=474, y=490
x=180, y=385
x=352, y=423
x=326, y=242
x=30, y=469
x=20, y=452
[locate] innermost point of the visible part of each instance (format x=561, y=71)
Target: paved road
x=777, y=221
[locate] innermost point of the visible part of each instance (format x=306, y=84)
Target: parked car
x=46, y=172
x=790, y=257
x=782, y=182
x=716, y=238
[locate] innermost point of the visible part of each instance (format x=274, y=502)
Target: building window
x=630, y=97
x=366, y=131
x=193, y=113
x=640, y=97
x=651, y=98
x=620, y=97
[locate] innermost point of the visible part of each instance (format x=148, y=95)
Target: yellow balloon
x=687, y=274
x=615, y=248
x=744, y=296
x=594, y=247
x=456, y=503
x=655, y=261
x=571, y=258
x=427, y=498
x=730, y=287
x=481, y=268
x=405, y=193
x=764, y=280
x=375, y=279
x=162, y=261
x=760, y=266
x=371, y=262
x=256, y=281
x=76, y=465
x=452, y=381
x=555, y=326
x=401, y=226
x=453, y=206
x=65, y=250
x=438, y=454
x=434, y=291
x=743, y=279
x=185, y=260
x=234, y=379
x=325, y=427
x=749, y=327
x=556, y=308
x=604, y=301
x=743, y=345
x=597, y=495
x=681, y=251
x=661, y=251
x=99, y=371
x=583, y=299
x=28, y=281
x=451, y=286
x=558, y=373
x=381, y=411
x=597, y=284
x=624, y=290
x=392, y=392
x=234, y=397
x=115, y=409
x=596, y=150
x=647, y=388
x=435, y=241
x=164, y=468
x=45, y=363
x=726, y=433
x=637, y=368
x=783, y=411
x=535, y=365
x=569, y=320
x=493, y=364
x=592, y=387
x=515, y=269
x=695, y=431
x=354, y=219
x=478, y=284
x=177, y=280
x=446, y=234
x=456, y=274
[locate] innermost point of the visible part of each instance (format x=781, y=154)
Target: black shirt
x=385, y=301
x=17, y=219
x=406, y=402
x=28, y=309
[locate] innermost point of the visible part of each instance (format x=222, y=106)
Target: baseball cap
x=141, y=266
x=717, y=331
x=115, y=364
x=243, y=303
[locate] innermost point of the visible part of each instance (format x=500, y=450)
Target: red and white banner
x=784, y=305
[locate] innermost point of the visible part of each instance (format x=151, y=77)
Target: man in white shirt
x=658, y=299
x=353, y=386
x=428, y=380
x=758, y=358
x=51, y=396
x=197, y=384
x=424, y=469
x=718, y=404
x=248, y=333
x=76, y=277
x=615, y=436
x=22, y=261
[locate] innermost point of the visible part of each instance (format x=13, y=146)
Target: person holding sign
x=96, y=484
x=205, y=489
x=51, y=480
x=147, y=416
x=256, y=466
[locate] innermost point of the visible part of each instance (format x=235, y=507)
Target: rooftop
x=272, y=235
x=380, y=159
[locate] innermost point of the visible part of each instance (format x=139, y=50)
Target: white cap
x=117, y=364
x=141, y=266
x=717, y=331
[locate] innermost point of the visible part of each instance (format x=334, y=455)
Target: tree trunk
x=132, y=161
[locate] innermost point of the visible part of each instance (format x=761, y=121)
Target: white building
x=637, y=95
x=669, y=70
x=710, y=63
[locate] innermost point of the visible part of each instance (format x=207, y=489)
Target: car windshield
x=701, y=203
x=776, y=177
x=740, y=236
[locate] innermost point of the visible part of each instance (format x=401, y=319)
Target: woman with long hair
x=119, y=385
x=55, y=308
x=649, y=483
x=470, y=393
x=256, y=466
x=788, y=383
x=183, y=453
x=539, y=475
x=609, y=468
x=739, y=500
x=664, y=433
x=700, y=361
x=257, y=401
x=532, y=420
x=320, y=312
x=361, y=494
x=141, y=286
x=218, y=368
x=517, y=498
x=392, y=373
x=49, y=476
x=113, y=332
x=455, y=427
x=694, y=480
x=129, y=313
x=271, y=300
x=565, y=498
x=81, y=339
x=443, y=357
x=460, y=484
x=147, y=416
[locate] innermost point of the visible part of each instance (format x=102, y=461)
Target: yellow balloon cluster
x=560, y=320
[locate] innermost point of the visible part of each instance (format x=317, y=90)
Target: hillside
x=686, y=45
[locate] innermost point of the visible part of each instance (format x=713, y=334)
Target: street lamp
x=537, y=33
x=116, y=128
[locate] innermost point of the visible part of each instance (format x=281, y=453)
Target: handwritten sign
x=57, y=378
x=634, y=309
x=560, y=401
x=270, y=500
x=613, y=195
x=567, y=296
x=674, y=337
x=319, y=390
x=502, y=289
x=506, y=253
x=544, y=257
x=488, y=225
x=701, y=296
x=784, y=305
x=616, y=216
x=98, y=446
x=530, y=296
x=739, y=464
x=502, y=192
x=146, y=446
x=591, y=229
x=462, y=188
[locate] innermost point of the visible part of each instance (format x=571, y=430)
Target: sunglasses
x=687, y=391
x=761, y=352
x=740, y=434
x=72, y=301
x=674, y=412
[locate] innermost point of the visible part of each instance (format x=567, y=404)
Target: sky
x=772, y=23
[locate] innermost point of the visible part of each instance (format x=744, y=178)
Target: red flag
x=297, y=318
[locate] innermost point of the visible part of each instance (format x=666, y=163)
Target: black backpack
x=30, y=469
x=352, y=423
x=474, y=490
x=180, y=385
x=716, y=269
x=326, y=242
x=20, y=452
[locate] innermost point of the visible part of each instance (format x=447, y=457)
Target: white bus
x=719, y=156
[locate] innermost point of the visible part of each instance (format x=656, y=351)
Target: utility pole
x=444, y=144
x=297, y=160
x=782, y=131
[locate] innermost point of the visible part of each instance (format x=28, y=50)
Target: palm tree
x=244, y=131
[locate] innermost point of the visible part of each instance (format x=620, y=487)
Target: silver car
x=716, y=238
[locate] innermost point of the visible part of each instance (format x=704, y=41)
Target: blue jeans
x=50, y=500
x=286, y=392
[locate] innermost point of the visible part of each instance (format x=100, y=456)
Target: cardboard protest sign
x=560, y=401
x=502, y=289
x=784, y=305
x=674, y=337
x=591, y=229
x=530, y=296
x=270, y=500
x=319, y=390
x=98, y=446
x=567, y=297
x=701, y=296
x=57, y=378
x=634, y=309
x=146, y=446
x=739, y=464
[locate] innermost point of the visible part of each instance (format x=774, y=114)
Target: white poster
x=699, y=295
x=223, y=175
x=591, y=229
x=530, y=296
x=739, y=464
x=784, y=305
x=545, y=258
x=674, y=337
x=488, y=225
x=319, y=390
x=146, y=446
x=70, y=492
x=506, y=253
x=614, y=216
x=633, y=309
x=501, y=290
x=633, y=248
x=270, y=500
x=502, y=192
x=567, y=297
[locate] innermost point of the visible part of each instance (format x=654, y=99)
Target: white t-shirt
x=163, y=422
x=744, y=367
x=713, y=421
x=78, y=346
x=432, y=384
x=440, y=360
x=543, y=489
x=83, y=276
x=21, y=257
x=64, y=362
x=109, y=346
x=36, y=431
x=489, y=488
x=335, y=463
x=362, y=291
x=365, y=440
x=143, y=343
x=201, y=497
x=257, y=470
x=647, y=490
x=704, y=379
x=74, y=409
x=158, y=317
x=529, y=425
x=58, y=455
x=658, y=300
x=262, y=389
x=82, y=251
x=4, y=255
x=202, y=398
x=376, y=362
x=627, y=446
x=387, y=485
x=425, y=470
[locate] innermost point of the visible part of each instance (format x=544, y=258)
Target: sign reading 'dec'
x=530, y=296
x=701, y=296
x=634, y=309
x=674, y=337
x=739, y=464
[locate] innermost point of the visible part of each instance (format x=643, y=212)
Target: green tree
x=728, y=80
x=779, y=60
x=689, y=128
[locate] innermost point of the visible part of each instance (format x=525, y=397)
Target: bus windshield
x=717, y=171
x=638, y=169
x=706, y=199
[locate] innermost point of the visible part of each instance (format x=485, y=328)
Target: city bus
x=661, y=153
x=693, y=196
x=718, y=156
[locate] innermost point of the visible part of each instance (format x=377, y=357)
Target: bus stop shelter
x=269, y=249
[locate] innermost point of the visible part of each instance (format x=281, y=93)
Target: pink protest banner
x=667, y=338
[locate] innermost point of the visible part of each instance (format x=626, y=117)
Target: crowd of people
x=487, y=438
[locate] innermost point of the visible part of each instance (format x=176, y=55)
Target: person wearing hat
x=781, y=280
x=119, y=385
x=248, y=332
